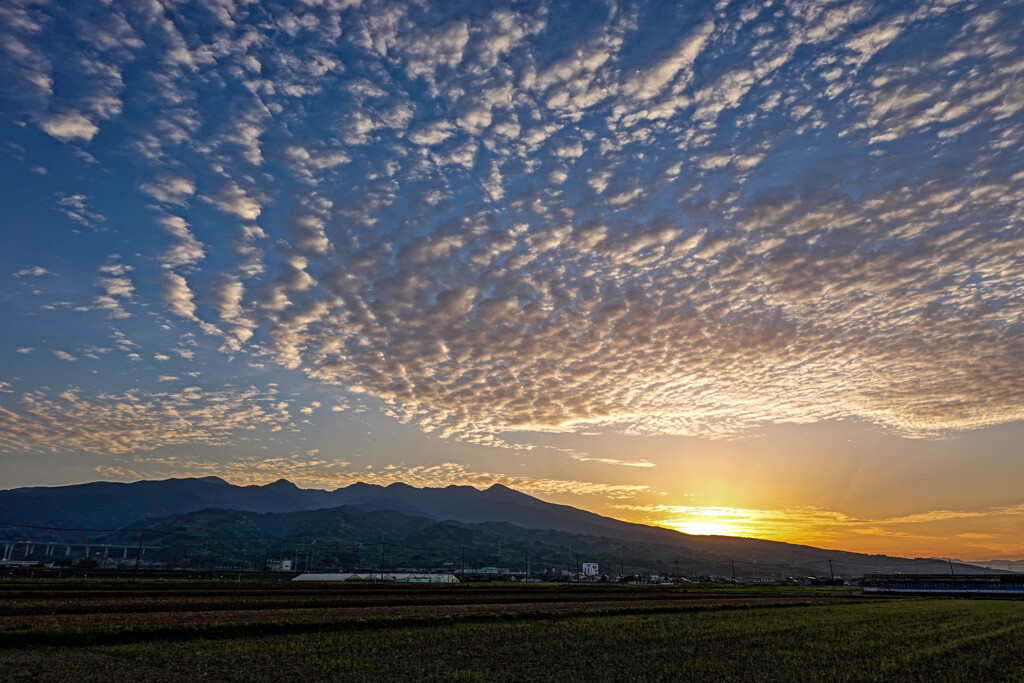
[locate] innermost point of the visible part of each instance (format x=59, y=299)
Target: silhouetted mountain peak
x=394, y=509
x=358, y=486
x=282, y=485
x=502, y=491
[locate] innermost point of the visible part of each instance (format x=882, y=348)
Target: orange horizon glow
x=939, y=534
x=979, y=536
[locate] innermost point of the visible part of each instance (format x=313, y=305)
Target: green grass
x=903, y=640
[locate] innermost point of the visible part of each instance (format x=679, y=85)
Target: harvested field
x=499, y=633
x=109, y=606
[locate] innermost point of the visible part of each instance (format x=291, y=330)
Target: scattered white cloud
x=33, y=271
x=650, y=81
x=432, y=133
x=536, y=220
x=77, y=208
x=186, y=250
x=170, y=189
x=136, y=421
x=178, y=297
x=613, y=461
x=69, y=126
x=231, y=199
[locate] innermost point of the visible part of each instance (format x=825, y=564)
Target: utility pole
x=831, y=576
x=577, y=566
x=527, y=553
x=462, y=576
x=621, y=572
x=733, y=563
x=138, y=554
x=951, y=572
x=677, y=569
x=382, y=558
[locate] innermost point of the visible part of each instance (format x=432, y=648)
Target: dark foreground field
x=84, y=631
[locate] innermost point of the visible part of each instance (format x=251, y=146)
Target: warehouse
x=390, y=577
x=984, y=584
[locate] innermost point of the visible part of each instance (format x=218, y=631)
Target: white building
x=391, y=577
x=279, y=565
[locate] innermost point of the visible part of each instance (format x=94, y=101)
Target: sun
x=708, y=521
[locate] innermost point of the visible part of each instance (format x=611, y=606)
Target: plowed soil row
x=332, y=614
x=187, y=603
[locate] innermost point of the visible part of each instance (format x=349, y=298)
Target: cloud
x=69, y=126
x=178, y=297
x=651, y=80
x=33, y=271
x=77, y=208
x=499, y=222
x=613, y=461
x=227, y=298
x=114, y=268
x=118, y=290
x=442, y=47
x=231, y=199
x=310, y=164
x=136, y=421
x=432, y=133
x=250, y=256
x=186, y=249
x=170, y=189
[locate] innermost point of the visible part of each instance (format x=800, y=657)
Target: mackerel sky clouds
x=570, y=246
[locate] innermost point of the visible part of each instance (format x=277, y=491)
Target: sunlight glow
x=708, y=528
x=710, y=521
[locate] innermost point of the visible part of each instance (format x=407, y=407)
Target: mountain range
x=428, y=526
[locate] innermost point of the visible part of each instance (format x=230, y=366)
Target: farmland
x=85, y=630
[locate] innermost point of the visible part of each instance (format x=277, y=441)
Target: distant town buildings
x=390, y=577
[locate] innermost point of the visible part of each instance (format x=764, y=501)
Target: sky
x=747, y=268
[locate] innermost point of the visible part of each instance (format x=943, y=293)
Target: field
x=170, y=631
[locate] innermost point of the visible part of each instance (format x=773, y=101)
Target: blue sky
x=600, y=251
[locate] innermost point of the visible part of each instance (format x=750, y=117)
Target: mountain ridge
x=113, y=505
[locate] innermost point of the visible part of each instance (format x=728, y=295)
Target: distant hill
x=110, y=505
x=105, y=505
x=498, y=525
